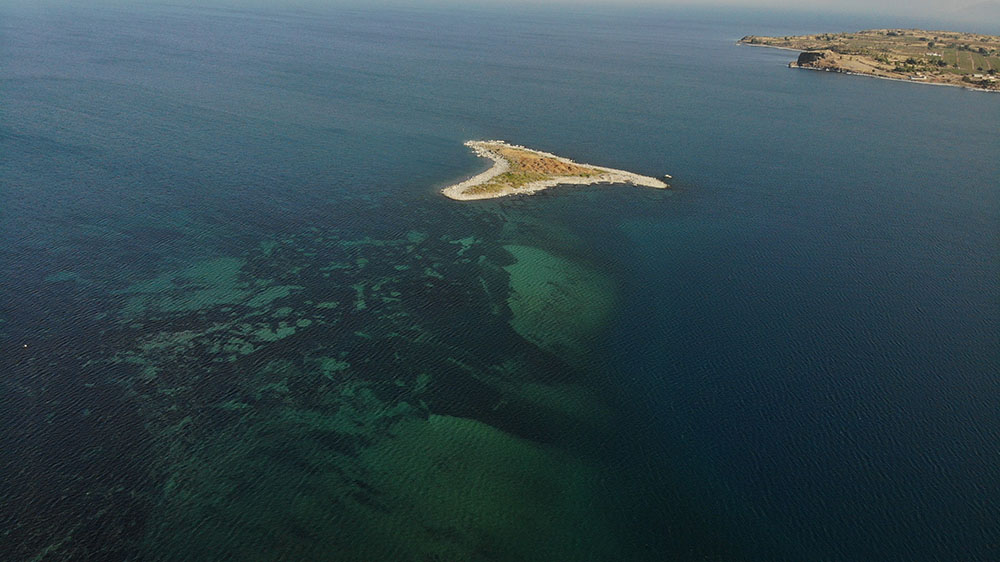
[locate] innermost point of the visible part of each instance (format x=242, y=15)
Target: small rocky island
x=970, y=60
x=518, y=170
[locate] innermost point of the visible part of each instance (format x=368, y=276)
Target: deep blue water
x=803, y=358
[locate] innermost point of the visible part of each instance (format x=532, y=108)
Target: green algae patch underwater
x=557, y=304
x=210, y=283
x=283, y=486
x=417, y=488
x=459, y=489
x=303, y=399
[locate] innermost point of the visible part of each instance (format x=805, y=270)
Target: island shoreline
x=490, y=149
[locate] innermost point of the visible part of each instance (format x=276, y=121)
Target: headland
x=518, y=170
x=970, y=60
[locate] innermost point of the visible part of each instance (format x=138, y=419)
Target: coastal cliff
x=810, y=58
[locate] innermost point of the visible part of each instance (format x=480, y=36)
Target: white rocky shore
x=489, y=149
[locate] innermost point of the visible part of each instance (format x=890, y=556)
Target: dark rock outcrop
x=809, y=58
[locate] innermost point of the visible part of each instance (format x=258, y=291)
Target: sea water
x=240, y=322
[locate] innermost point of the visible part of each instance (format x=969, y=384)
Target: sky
x=986, y=12
x=984, y=15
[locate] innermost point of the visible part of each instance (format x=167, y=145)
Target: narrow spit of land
x=970, y=60
x=518, y=170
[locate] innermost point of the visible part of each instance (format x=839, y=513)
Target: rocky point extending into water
x=520, y=170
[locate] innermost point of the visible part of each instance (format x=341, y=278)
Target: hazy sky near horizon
x=905, y=8
x=983, y=12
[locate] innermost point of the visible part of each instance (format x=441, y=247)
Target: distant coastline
x=518, y=170
x=942, y=58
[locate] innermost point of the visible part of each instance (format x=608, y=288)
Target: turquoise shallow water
x=239, y=322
